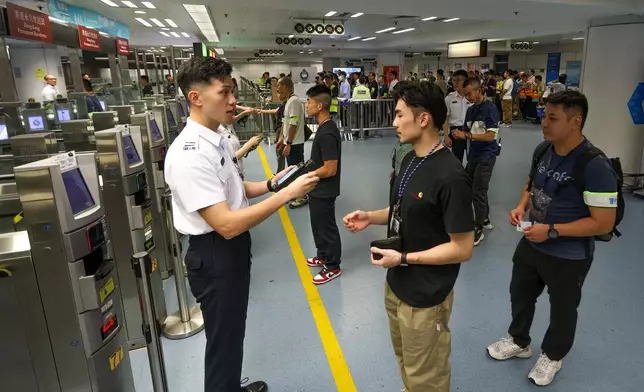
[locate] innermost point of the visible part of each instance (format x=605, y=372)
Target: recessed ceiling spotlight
x=139, y=12
x=354, y=38
x=369, y=39
x=330, y=13
x=404, y=30
x=358, y=14
x=451, y=20
x=430, y=18
x=385, y=30
x=148, y=4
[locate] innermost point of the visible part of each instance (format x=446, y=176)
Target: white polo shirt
x=201, y=171
x=294, y=114
x=457, y=106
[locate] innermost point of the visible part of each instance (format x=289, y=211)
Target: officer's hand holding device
x=286, y=177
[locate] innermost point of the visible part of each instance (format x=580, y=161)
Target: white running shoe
x=506, y=349
x=544, y=370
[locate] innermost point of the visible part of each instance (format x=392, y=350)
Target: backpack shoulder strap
x=539, y=152
x=579, y=167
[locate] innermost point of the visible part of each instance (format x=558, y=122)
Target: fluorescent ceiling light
x=577, y=38
x=330, y=13
x=171, y=23
x=175, y=34
x=139, y=12
x=357, y=14
x=62, y=22
x=103, y=34
x=185, y=34
x=430, y=18
x=165, y=28
x=157, y=22
x=148, y=4
x=536, y=42
x=369, y=39
x=143, y=22
x=161, y=47
x=163, y=33
x=291, y=36
x=385, y=30
x=404, y=30
x=451, y=20
x=301, y=51
x=110, y=3
x=130, y=4
x=199, y=13
x=219, y=51
x=354, y=38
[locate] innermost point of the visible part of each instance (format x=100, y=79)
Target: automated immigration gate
x=154, y=149
x=129, y=213
x=63, y=330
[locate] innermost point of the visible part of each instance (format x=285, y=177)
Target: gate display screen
x=181, y=112
x=156, y=134
x=171, y=121
x=36, y=123
x=130, y=150
x=63, y=115
x=3, y=132
x=80, y=199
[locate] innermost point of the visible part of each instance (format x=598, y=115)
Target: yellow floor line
x=338, y=365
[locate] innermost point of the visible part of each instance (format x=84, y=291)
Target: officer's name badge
x=189, y=146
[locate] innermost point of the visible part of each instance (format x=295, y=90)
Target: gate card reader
x=70, y=298
x=154, y=149
x=131, y=219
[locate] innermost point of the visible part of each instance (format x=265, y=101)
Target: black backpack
x=578, y=172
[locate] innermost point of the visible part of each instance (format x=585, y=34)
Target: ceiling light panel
x=175, y=34
x=163, y=33
x=149, y=5
x=185, y=34
x=171, y=23
x=157, y=22
x=404, y=30
x=330, y=13
x=130, y=4
x=429, y=18
x=139, y=12
x=219, y=51
x=201, y=17
x=451, y=20
x=385, y=30
x=110, y=3
x=356, y=15
x=369, y=39
x=354, y=38
x=143, y=22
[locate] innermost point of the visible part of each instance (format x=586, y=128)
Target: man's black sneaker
x=257, y=386
x=478, y=235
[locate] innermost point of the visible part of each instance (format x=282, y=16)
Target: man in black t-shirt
x=430, y=213
x=325, y=152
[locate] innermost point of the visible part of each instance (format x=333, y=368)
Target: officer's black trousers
x=219, y=276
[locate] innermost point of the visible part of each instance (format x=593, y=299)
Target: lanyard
x=407, y=175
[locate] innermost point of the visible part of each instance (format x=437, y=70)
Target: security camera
x=225, y=15
x=333, y=45
x=227, y=32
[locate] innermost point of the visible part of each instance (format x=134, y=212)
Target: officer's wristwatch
x=553, y=234
x=289, y=143
x=403, y=260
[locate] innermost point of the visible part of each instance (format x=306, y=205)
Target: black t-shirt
x=327, y=146
x=436, y=201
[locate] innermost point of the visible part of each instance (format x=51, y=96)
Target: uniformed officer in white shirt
x=210, y=204
x=457, y=106
x=50, y=92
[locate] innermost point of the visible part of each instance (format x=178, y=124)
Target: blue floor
x=283, y=346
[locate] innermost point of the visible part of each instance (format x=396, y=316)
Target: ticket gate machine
x=149, y=102
x=78, y=135
x=13, y=117
x=80, y=101
x=139, y=106
x=175, y=116
x=63, y=111
x=35, y=119
x=129, y=212
x=163, y=117
x=154, y=149
x=62, y=296
x=103, y=120
x=123, y=113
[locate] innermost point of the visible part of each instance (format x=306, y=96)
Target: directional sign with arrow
x=635, y=105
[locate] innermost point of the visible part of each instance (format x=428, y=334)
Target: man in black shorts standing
x=325, y=152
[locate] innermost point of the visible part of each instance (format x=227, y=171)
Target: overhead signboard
x=122, y=46
x=90, y=39
x=89, y=18
x=28, y=24
x=461, y=50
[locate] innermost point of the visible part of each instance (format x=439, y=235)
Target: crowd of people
x=436, y=213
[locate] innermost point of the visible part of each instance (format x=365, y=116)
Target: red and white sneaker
x=326, y=275
x=314, y=262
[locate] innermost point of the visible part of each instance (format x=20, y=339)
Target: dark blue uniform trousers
x=219, y=277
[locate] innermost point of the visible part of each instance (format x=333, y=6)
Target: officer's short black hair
x=87, y=85
x=322, y=94
x=423, y=97
x=571, y=100
x=460, y=72
x=473, y=81
x=201, y=70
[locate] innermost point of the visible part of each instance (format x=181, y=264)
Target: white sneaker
x=506, y=349
x=544, y=370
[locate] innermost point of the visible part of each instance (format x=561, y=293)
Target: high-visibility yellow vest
x=334, y=101
x=361, y=92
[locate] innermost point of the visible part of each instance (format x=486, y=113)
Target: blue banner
x=552, y=67
x=88, y=18
x=573, y=70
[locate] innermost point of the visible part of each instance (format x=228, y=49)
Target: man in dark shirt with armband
x=325, y=152
x=568, y=205
x=480, y=128
x=430, y=217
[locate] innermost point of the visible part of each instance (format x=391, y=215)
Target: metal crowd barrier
x=359, y=116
